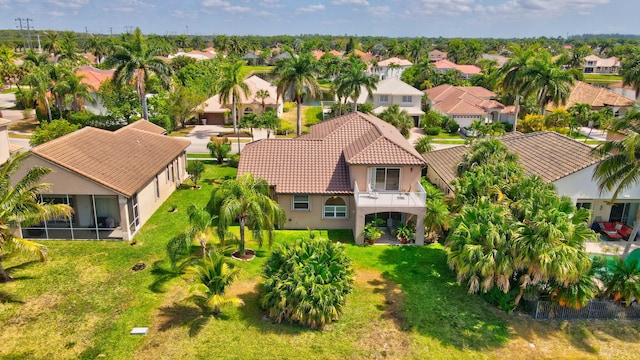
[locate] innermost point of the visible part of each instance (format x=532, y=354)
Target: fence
x=596, y=309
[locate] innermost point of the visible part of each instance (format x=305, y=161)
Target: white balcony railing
x=390, y=198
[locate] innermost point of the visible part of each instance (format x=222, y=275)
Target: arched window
x=335, y=208
x=247, y=111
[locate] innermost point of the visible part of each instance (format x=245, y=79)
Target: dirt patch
x=24, y=125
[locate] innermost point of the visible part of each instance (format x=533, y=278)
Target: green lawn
x=602, y=79
x=250, y=70
x=312, y=115
x=406, y=305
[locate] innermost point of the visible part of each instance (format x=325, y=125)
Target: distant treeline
x=603, y=36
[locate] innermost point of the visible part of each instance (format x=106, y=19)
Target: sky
x=391, y=18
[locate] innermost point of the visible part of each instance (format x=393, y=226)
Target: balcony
x=390, y=199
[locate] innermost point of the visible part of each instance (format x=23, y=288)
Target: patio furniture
x=615, y=230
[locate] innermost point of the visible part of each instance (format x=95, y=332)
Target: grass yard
x=247, y=70
x=602, y=79
x=406, y=305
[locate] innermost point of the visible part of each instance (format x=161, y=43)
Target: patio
x=607, y=247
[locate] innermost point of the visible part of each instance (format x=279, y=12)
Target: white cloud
x=310, y=8
x=68, y=3
x=544, y=7
x=272, y=4
x=56, y=13
x=237, y=9
x=184, y=14
x=445, y=7
x=214, y=3
x=380, y=11
x=350, y=2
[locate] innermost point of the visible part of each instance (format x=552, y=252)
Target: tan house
x=559, y=160
x=214, y=112
x=465, y=104
x=435, y=55
x=467, y=70
x=596, y=65
x=114, y=181
x=342, y=174
x=598, y=98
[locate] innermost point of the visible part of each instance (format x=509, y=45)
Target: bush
x=288, y=105
x=164, y=121
x=366, y=108
x=508, y=127
x=307, y=282
x=104, y=122
x=503, y=301
x=432, y=131
x=453, y=127
x=233, y=160
x=285, y=128
x=433, y=119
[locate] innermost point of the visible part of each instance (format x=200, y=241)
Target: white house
x=394, y=91
x=559, y=160
x=597, y=65
x=391, y=68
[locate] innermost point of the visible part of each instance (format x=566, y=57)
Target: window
x=335, y=208
x=134, y=215
x=247, y=111
x=583, y=205
x=385, y=179
x=156, y=186
x=384, y=98
x=301, y=202
x=407, y=99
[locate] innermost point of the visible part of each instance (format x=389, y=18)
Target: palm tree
x=297, y=77
x=262, y=94
x=485, y=152
x=625, y=282
x=98, y=46
x=550, y=82
x=247, y=200
x=415, y=48
x=353, y=78
x=424, y=144
x=211, y=277
x=52, y=44
x=135, y=61
x=630, y=72
x=69, y=51
x=398, y=118
x=21, y=206
x=75, y=91
x=513, y=74
x=40, y=82
x=229, y=86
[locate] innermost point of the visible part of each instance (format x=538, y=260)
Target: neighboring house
x=251, y=58
x=195, y=54
x=559, y=160
x=215, y=113
x=394, y=91
x=467, y=70
x=95, y=78
x=465, y=104
x=597, y=65
x=5, y=147
x=501, y=60
x=436, y=55
x=281, y=56
x=114, y=181
x=342, y=174
x=625, y=90
x=391, y=68
x=598, y=98
x=365, y=56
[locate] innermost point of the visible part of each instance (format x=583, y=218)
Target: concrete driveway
x=200, y=135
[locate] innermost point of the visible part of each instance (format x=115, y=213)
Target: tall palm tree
x=75, y=91
x=69, y=51
x=247, y=200
x=52, y=44
x=40, y=82
x=353, y=78
x=229, y=86
x=135, y=61
x=513, y=74
x=297, y=76
x=98, y=46
x=262, y=94
x=20, y=205
x=549, y=80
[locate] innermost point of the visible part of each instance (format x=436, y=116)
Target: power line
x=24, y=44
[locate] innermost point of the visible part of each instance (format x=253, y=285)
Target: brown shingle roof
x=144, y=126
x=584, y=93
x=317, y=163
x=124, y=160
x=548, y=154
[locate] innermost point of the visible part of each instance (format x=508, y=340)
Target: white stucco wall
x=580, y=185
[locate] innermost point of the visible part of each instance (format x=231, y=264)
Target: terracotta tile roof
x=444, y=65
x=317, y=54
x=317, y=163
x=13, y=148
x=548, y=154
x=93, y=76
x=336, y=53
x=462, y=100
x=213, y=104
x=144, y=125
x=394, y=60
x=365, y=56
x=584, y=93
x=124, y=160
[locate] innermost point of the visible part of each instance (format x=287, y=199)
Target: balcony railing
x=390, y=198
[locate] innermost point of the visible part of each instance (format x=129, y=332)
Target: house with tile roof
x=114, y=181
x=391, y=68
x=598, y=98
x=435, y=55
x=559, y=160
x=342, y=174
x=394, y=91
x=94, y=77
x=627, y=91
x=467, y=70
x=214, y=112
x=465, y=104
x=594, y=64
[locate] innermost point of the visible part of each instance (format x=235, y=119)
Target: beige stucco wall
x=4, y=144
x=313, y=218
x=409, y=176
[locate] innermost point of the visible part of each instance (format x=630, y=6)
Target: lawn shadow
x=6, y=298
x=178, y=315
x=12, y=269
x=162, y=275
x=434, y=304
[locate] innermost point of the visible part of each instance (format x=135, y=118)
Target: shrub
x=307, y=282
x=233, y=160
x=285, y=128
x=432, y=131
x=164, y=121
x=508, y=127
x=366, y=108
x=432, y=119
x=288, y=105
x=503, y=301
x=453, y=127
x=219, y=148
x=195, y=170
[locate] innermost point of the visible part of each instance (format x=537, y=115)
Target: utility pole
x=29, y=31
x=111, y=31
x=24, y=44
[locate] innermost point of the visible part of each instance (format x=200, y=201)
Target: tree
x=52, y=130
x=136, y=61
x=268, y=120
x=514, y=74
x=229, y=86
x=74, y=91
x=353, y=78
x=219, y=148
x=52, y=44
x=436, y=218
x=424, y=144
x=246, y=199
x=183, y=104
x=21, y=206
x=550, y=82
x=40, y=83
x=211, y=277
x=307, y=282
x=262, y=94
x=630, y=72
x=485, y=152
x=195, y=170
x=398, y=118
x=297, y=76
x=98, y=46
x=625, y=282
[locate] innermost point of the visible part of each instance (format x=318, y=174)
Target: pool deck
x=610, y=247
